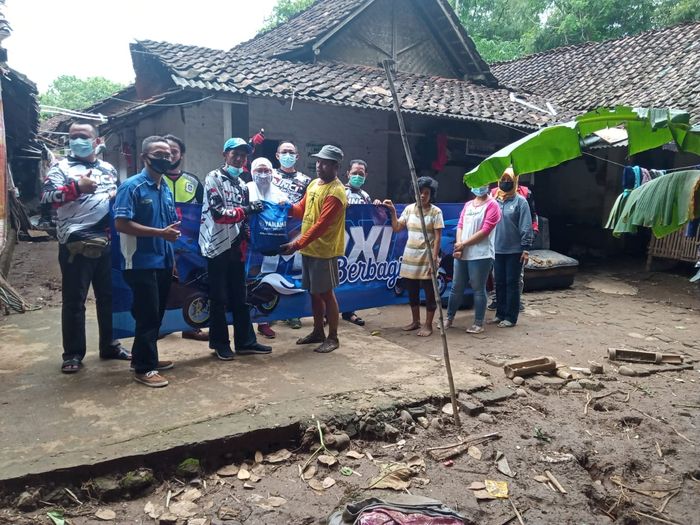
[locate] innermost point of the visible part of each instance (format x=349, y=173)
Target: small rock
x=423, y=421
x=595, y=367
x=435, y=424
x=627, y=371
x=590, y=384
x=518, y=380
x=470, y=406
x=28, y=500
x=390, y=432
x=417, y=411
x=406, y=417
x=137, y=480
x=167, y=519
x=535, y=384
x=105, y=488
x=106, y=514
x=486, y=418
x=189, y=468
x=521, y=392
x=573, y=385
x=339, y=441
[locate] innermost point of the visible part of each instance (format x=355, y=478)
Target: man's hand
x=252, y=208
x=86, y=184
x=524, y=257
x=377, y=202
x=287, y=249
x=171, y=233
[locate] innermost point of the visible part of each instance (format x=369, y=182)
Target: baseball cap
x=236, y=142
x=329, y=152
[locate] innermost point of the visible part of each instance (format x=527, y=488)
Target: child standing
x=415, y=266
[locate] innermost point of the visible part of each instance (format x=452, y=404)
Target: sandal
x=354, y=318
x=328, y=346
x=311, y=338
x=71, y=366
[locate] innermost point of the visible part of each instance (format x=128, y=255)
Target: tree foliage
x=70, y=92
x=283, y=11
x=507, y=29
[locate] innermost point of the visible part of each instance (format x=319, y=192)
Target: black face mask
x=506, y=186
x=174, y=165
x=159, y=165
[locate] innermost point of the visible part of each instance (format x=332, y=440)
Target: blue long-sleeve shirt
x=514, y=231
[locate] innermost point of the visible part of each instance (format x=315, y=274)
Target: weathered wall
x=309, y=126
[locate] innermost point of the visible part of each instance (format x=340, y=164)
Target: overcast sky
x=77, y=37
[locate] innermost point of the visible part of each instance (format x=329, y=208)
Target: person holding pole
x=415, y=266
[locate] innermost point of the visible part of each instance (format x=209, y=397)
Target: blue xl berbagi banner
x=369, y=272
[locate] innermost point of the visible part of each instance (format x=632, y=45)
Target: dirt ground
x=625, y=449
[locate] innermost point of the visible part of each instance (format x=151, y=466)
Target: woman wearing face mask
x=474, y=252
x=513, y=241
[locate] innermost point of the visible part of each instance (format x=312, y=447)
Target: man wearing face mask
x=186, y=189
x=293, y=184
x=80, y=187
x=145, y=217
x=223, y=241
x=357, y=176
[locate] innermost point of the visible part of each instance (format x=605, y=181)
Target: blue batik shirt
x=139, y=199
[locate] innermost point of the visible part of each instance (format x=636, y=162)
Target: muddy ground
x=625, y=449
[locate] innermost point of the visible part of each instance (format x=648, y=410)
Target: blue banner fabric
x=369, y=271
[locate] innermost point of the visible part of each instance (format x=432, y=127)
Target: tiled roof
x=341, y=84
x=656, y=68
x=320, y=20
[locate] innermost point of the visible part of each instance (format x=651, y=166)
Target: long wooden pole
x=433, y=263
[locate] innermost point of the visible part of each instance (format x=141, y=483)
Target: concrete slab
x=54, y=421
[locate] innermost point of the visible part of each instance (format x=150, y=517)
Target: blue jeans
x=507, y=268
x=476, y=273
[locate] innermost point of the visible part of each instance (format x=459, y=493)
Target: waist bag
x=90, y=248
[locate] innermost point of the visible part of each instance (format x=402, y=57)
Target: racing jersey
x=80, y=216
x=223, y=219
x=357, y=196
x=185, y=188
x=293, y=185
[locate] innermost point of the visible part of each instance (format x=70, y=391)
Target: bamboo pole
x=433, y=264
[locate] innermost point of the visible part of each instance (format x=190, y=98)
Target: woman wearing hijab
x=474, y=251
x=513, y=241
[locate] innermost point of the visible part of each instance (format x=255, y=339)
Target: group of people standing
x=81, y=186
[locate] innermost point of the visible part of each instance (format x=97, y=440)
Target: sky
x=77, y=37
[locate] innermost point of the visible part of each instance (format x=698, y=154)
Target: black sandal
x=71, y=366
x=353, y=318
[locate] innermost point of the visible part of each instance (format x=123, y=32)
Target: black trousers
x=76, y=278
x=150, y=290
x=227, y=292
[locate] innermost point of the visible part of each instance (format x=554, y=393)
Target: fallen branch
x=590, y=398
x=447, y=452
x=662, y=508
x=554, y=481
x=514, y=516
x=520, y=518
x=660, y=520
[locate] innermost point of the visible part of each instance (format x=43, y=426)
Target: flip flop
x=328, y=346
x=311, y=338
x=71, y=366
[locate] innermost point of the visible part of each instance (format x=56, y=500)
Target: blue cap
x=236, y=142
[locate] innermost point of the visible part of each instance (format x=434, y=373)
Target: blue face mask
x=81, y=148
x=480, y=192
x=233, y=171
x=288, y=160
x=356, y=181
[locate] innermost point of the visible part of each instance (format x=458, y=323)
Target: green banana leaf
x=548, y=147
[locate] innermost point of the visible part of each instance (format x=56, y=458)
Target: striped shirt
x=416, y=262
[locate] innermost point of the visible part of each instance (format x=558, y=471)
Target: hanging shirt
x=357, y=195
x=475, y=218
x=416, y=261
x=80, y=216
x=223, y=219
x=140, y=199
x=293, y=185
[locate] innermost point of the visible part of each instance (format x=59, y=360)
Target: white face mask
x=262, y=178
